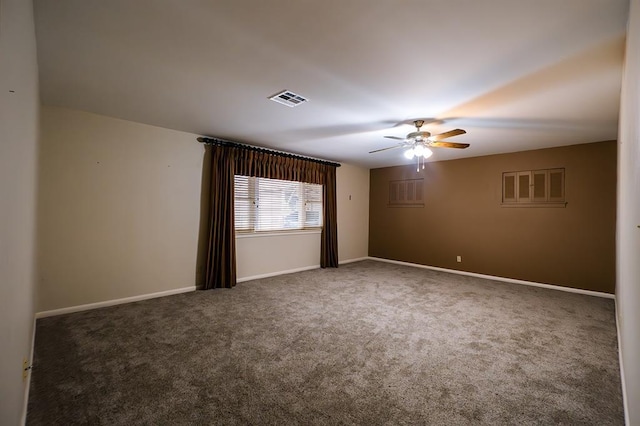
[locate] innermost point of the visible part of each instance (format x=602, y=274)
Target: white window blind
x=276, y=205
x=244, y=203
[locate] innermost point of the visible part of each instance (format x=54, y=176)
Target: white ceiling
x=516, y=75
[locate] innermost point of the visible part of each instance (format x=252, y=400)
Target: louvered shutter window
x=534, y=187
x=406, y=193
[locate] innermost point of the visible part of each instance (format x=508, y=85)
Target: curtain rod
x=222, y=142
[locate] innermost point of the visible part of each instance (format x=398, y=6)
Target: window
x=263, y=204
x=534, y=188
x=406, y=193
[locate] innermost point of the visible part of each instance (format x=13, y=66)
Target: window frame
x=253, y=212
x=406, y=193
x=530, y=199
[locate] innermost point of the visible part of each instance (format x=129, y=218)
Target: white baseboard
x=275, y=274
x=625, y=399
x=106, y=303
x=291, y=271
x=357, y=259
x=492, y=277
x=113, y=302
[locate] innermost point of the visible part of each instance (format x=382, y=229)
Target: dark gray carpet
x=369, y=343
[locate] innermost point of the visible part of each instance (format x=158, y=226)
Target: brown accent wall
x=462, y=216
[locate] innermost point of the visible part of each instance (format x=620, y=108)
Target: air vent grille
x=288, y=98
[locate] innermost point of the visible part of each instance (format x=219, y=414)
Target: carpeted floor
x=369, y=343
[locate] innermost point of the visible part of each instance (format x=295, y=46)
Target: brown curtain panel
x=227, y=161
x=221, y=254
x=329, y=238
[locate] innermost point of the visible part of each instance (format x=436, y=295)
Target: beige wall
x=273, y=253
x=118, y=209
x=628, y=224
x=352, y=195
x=572, y=246
x=18, y=145
x=119, y=213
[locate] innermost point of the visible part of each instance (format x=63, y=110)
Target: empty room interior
x=342, y=212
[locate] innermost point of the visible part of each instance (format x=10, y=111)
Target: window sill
x=278, y=233
x=533, y=205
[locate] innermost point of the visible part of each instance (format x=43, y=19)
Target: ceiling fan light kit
x=418, y=150
x=419, y=143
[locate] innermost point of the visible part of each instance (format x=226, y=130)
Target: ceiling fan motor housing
x=418, y=136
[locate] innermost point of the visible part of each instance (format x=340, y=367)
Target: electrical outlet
x=459, y=258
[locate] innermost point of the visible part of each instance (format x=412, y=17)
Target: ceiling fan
x=418, y=143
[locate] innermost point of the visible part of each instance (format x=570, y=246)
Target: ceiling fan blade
x=384, y=149
x=395, y=137
x=449, y=145
x=450, y=133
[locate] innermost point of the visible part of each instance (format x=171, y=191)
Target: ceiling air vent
x=288, y=98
